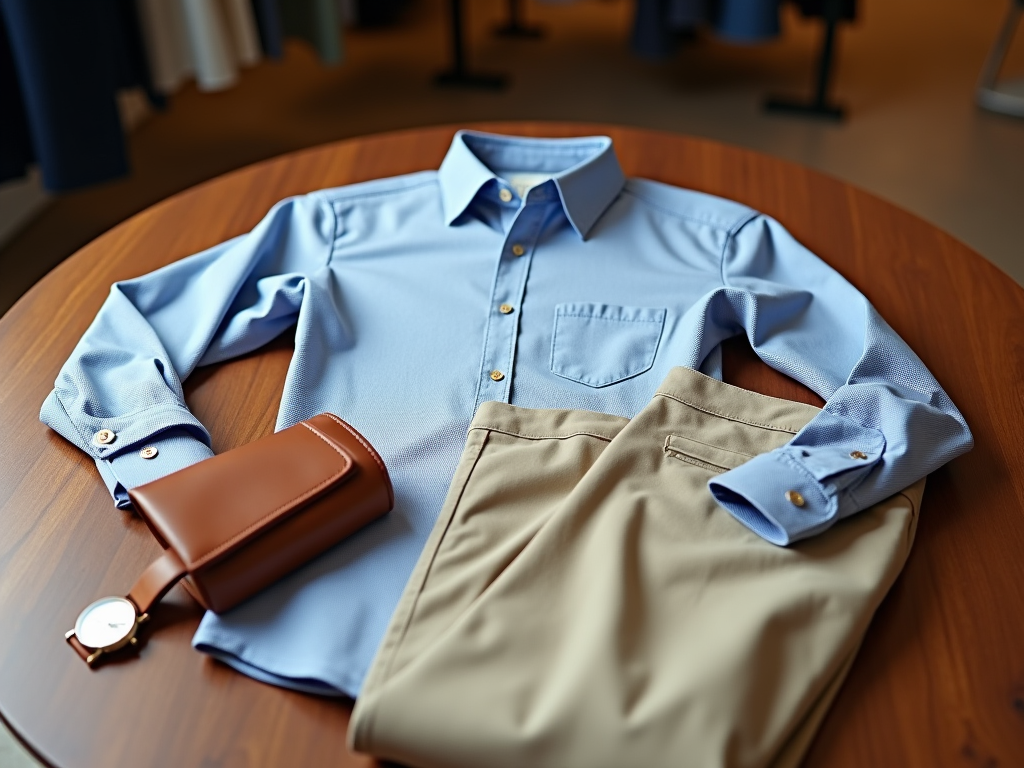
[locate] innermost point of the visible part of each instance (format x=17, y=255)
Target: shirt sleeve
x=886, y=422
x=120, y=391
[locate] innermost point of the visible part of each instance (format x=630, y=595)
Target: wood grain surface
x=939, y=680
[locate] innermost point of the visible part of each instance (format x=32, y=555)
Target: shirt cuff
x=167, y=452
x=776, y=498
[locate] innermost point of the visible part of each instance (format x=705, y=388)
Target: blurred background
x=109, y=106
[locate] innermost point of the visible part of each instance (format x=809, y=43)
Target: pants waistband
x=717, y=398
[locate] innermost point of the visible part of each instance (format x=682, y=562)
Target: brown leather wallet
x=239, y=521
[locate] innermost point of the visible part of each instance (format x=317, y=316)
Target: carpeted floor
x=906, y=71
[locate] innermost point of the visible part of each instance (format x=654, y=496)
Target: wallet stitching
x=347, y=464
x=362, y=442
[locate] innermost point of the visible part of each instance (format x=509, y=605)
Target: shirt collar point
x=586, y=189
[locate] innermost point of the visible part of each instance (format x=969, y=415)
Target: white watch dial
x=106, y=622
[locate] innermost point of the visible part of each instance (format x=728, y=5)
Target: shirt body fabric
x=523, y=271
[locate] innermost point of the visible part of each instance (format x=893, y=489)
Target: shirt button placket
x=506, y=295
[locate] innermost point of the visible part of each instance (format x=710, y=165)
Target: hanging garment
x=205, y=39
x=583, y=600
x=658, y=24
x=71, y=58
x=131, y=64
x=216, y=65
x=165, y=33
x=526, y=271
x=15, y=143
x=747, y=21
x=268, y=23
x=370, y=13
x=316, y=22
x=245, y=37
x=845, y=10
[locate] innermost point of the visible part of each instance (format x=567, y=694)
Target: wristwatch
x=112, y=623
x=105, y=626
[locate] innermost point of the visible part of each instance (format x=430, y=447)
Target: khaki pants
x=582, y=600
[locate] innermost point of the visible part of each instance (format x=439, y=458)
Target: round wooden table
x=939, y=680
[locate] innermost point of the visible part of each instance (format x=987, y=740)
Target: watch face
x=106, y=622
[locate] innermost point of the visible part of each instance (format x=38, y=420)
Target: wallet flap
x=208, y=509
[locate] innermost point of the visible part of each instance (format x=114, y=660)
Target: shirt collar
x=585, y=171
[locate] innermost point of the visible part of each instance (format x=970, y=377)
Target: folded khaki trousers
x=583, y=602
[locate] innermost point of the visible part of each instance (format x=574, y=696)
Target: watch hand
x=115, y=626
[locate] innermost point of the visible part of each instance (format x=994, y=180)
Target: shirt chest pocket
x=601, y=344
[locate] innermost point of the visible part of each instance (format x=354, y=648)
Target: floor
x=906, y=73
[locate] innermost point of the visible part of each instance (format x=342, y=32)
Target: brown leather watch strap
x=162, y=574
x=80, y=649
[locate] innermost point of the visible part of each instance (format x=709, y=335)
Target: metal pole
x=459, y=75
x=458, y=46
x=1008, y=99
x=515, y=26
x=819, y=105
x=825, y=60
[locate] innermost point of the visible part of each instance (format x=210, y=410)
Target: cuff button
x=104, y=437
x=858, y=455
x=149, y=452
x=795, y=498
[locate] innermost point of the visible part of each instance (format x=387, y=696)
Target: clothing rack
x=819, y=106
x=459, y=74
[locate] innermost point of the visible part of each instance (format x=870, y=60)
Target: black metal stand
x=516, y=27
x=820, y=106
x=458, y=76
x=1007, y=98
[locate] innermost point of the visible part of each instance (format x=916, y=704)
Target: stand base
x=1007, y=99
x=820, y=109
x=518, y=30
x=459, y=79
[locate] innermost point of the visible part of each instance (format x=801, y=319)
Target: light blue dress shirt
x=419, y=297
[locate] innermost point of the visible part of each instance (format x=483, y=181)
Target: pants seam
x=526, y=436
x=729, y=416
x=705, y=465
x=412, y=608
x=913, y=506
x=670, y=435
x=392, y=650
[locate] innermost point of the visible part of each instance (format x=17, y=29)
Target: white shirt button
x=505, y=195
x=104, y=437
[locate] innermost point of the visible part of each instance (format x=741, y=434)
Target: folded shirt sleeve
x=886, y=421
x=120, y=391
